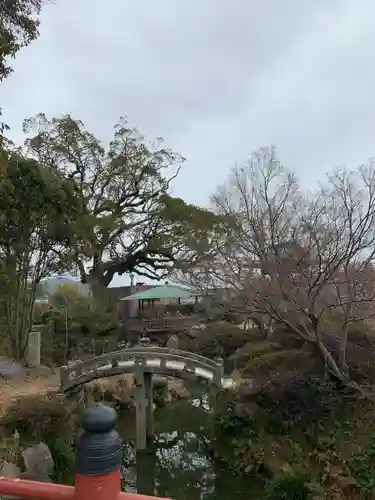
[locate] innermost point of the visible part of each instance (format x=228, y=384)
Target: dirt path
x=11, y=390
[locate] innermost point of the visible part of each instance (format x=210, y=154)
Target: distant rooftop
x=162, y=292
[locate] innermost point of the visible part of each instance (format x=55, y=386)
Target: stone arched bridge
x=158, y=360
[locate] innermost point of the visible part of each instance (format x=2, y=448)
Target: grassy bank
x=303, y=434
x=289, y=424
x=315, y=449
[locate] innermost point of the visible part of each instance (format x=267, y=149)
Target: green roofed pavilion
x=162, y=292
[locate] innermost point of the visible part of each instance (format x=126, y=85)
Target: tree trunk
x=331, y=363
x=269, y=328
x=99, y=291
x=343, y=348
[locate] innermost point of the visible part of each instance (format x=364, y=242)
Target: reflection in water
x=177, y=464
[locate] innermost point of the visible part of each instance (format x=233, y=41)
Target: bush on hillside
x=292, y=419
x=220, y=340
x=243, y=358
x=291, y=424
x=287, y=487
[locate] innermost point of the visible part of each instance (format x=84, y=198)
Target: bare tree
x=352, y=301
x=293, y=256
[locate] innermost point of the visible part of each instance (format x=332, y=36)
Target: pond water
x=177, y=464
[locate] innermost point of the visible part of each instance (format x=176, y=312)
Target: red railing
x=98, y=462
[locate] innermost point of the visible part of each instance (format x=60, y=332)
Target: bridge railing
x=98, y=464
x=140, y=352
x=179, y=352
x=79, y=371
x=159, y=324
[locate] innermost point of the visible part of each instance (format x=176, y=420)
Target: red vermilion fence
x=98, y=463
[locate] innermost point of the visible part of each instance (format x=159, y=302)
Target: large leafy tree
x=19, y=26
x=37, y=207
x=19, y=23
x=128, y=222
x=191, y=232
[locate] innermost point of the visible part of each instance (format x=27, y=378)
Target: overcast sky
x=216, y=78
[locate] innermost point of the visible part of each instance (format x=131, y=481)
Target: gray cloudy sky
x=216, y=78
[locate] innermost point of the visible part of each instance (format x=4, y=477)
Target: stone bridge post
x=144, y=403
x=149, y=393
x=218, y=375
x=140, y=409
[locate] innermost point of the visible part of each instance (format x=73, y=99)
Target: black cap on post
x=99, y=447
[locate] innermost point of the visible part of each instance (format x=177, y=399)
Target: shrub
x=362, y=467
x=90, y=328
x=286, y=487
x=34, y=417
x=10, y=450
x=219, y=340
x=263, y=424
x=243, y=358
x=160, y=391
x=117, y=390
x=63, y=458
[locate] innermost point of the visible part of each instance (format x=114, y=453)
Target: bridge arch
x=151, y=360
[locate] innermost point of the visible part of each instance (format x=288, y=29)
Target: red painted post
x=98, y=464
x=98, y=456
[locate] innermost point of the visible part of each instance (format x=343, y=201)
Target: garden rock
x=246, y=410
x=10, y=370
x=172, y=342
x=38, y=462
